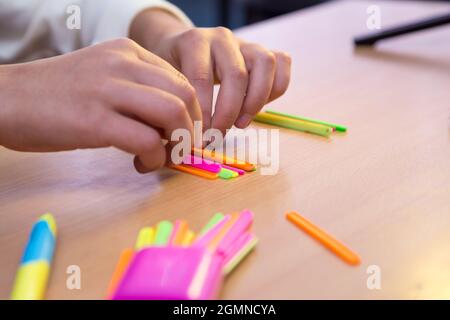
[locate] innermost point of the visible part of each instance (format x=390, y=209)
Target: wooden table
x=383, y=188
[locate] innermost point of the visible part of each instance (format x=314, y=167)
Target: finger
x=261, y=65
x=130, y=47
x=148, y=57
x=233, y=76
x=136, y=138
x=282, y=75
x=166, y=80
x=153, y=106
x=196, y=65
x=152, y=59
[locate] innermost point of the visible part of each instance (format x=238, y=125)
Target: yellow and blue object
x=32, y=276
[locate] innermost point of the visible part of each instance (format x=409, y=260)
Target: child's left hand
x=250, y=75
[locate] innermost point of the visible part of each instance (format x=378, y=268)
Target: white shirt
x=33, y=29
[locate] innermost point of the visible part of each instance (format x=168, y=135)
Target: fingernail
x=139, y=166
x=244, y=121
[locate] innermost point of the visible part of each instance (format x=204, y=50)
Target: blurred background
x=237, y=13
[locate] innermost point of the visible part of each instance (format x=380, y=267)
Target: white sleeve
x=31, y=29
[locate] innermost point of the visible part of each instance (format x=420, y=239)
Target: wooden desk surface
x=383, y=188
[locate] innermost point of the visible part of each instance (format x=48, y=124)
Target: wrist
x=150, y=27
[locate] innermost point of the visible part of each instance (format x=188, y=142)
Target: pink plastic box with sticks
x=172, y=273
x=190, y=272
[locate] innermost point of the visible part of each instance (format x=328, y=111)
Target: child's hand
x=112, y=94
x=250, y=75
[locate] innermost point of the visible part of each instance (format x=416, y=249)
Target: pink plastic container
x=172, y=273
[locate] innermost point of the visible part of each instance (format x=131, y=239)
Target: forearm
x=2, y=102
x=7, y=74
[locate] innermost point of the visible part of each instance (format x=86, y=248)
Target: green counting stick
x=212, y=222
x=293, y=124
x=233, y=263
x=163, y=232
x=227, y=174
x=338, y=127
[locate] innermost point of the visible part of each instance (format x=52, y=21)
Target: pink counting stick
x=241, y=225
x=202, y=164
x=206, y=238
x=241, y=172
x=237, y=246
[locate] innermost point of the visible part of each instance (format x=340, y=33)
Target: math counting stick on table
x=195, y=171
x=227, y=174
x=208, y=236
x=223, y=159
x=163, y=232
x=213, y=244
x=119, y=271
x=212, y=222
x=242, y=224
x=238, y=171
x=294, y=124
x=243, y=248
x=145, y=238
x=202, y=164
x=325, y=239
x=237, y=246
x=179, y=231
x=188, y=238
x=338, y=127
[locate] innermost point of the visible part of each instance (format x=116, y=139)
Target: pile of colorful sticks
x=226, y=237
x=212, y=165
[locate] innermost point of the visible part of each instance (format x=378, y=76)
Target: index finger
x=197, y=66
x=233, y=75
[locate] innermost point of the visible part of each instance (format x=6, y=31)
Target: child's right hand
x=112, y=94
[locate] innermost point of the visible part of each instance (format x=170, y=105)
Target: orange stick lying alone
x=325, y=239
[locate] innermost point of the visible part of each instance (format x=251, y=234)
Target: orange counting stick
x=189, y=237
x=195, y=171
x=325, y=239
x=218, y=157
x=121, y=267
x=179, y=232
x=223, y=231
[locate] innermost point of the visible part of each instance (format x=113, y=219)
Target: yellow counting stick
x=294, y=124
x=189, y=237
x=145, y=238
x=338, y=127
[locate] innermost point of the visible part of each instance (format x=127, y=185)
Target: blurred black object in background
x=428, y=23
x=236, y=13
x=257, y=10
